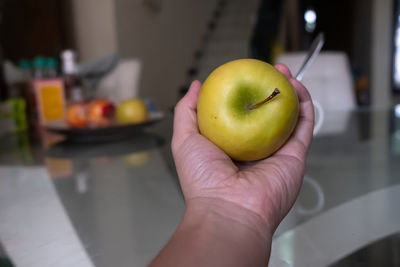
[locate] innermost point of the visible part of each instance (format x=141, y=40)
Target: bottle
x=49, y=92
x=26, y=68
x=72, y=81
x=39, y=68
x=29, y=94
x=50, y=69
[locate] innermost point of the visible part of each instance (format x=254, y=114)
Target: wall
x=94, y=27
x=164, y=40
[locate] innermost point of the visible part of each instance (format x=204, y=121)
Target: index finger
x=300, y=140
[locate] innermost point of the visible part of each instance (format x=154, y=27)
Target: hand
x=263, y=191
x=232, y=208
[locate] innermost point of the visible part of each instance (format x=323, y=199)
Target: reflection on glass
x=397, y=111
x=137, y=159
x=35, y=225
x=82, y=179
x=396, y=130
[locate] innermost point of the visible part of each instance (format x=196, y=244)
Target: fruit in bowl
x=247, y=108
x=101, y=112
x=77, y=115
x=132, y=111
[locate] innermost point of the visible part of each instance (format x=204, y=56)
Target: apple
x=132, y=111
x=101, y=112
x=247, y=108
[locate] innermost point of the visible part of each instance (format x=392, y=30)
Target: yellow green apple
x=247, y=108
x=132, y=111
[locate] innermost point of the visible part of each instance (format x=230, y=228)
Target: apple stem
x=272, y=95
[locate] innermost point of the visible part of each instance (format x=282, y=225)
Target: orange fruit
x=77, y=115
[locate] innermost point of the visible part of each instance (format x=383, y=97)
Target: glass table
x=117, y=203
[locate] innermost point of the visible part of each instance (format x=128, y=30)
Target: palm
x=215, y=175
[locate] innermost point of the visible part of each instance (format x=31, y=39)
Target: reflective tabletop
x=117, y=203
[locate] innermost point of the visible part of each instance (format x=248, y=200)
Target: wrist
x=221, y=213
x=215, y=232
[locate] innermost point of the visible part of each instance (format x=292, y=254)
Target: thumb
x=185, y=115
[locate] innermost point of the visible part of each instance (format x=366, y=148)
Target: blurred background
x=111, y=189
x=176, y=41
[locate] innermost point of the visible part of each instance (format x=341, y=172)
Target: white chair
x=122, y=82
x=329, y=81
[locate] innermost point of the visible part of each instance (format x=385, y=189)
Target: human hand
x=232, y=208
x=255, y=193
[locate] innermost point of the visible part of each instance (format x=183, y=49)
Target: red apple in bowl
x=101, y=112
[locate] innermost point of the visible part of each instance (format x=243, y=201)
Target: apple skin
x=225, y=119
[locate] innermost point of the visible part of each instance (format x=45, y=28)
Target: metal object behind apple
x=315, y=48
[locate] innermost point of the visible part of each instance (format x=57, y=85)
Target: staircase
x=227, y=38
